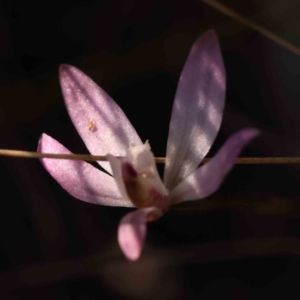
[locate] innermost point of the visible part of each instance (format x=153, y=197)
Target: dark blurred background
x=243, y=242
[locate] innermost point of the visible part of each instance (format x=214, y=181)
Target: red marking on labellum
x=128, y=171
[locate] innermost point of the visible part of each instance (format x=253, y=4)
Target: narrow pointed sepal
x=197, y=109
x=101, y=123
x=208, y=178
x=78, y=178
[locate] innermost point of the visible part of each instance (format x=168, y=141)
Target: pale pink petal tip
x=132, y=231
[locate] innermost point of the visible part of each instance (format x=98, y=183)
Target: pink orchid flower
x=195, y=122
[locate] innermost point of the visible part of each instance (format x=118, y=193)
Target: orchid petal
x=80, y=179
x=132, y=231
x=100, y=122
x=207, y=179
x=197, y=109
x=116, y=166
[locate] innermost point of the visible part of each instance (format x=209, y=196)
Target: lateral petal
x=208, y=178
x=116, y=166
x=80, y=179
x=100, y=122
x=132, y=231
x=197, y=109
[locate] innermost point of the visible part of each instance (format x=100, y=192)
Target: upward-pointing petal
x=208, y=178
x=80, y=179
x=100, y=122
x=197, y=109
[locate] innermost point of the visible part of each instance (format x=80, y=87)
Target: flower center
x=141, y=189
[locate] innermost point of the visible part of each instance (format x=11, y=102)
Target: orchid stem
x=158, y=160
